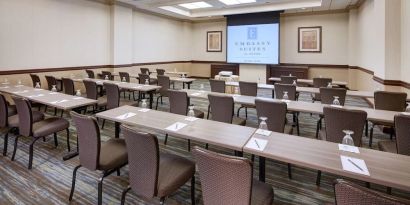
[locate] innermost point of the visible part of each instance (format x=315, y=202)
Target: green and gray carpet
x=49, y=181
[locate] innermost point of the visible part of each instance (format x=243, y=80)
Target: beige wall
x=405, y=41
x=199, y=36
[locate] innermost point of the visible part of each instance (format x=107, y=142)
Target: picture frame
x=214, y=41
x=310, y=39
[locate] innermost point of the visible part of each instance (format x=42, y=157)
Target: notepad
x=196, y=94
x=18, y=86
x=354, y=165
x=38, y=89
x=348, y=148
x=338, y=106
x=236, y=95
x=144, y=110
x=59, y=101
x=176, y=126
x=286, y=101
x=191, y=119
x=256, y=144
x=126, y=116
x=78, y=98
x=18, y=92
x=263, y=132
x=136, y=87
x=35, y=96
x=53, y=93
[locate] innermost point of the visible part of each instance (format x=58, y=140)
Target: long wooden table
x=299, y=106
x=388, y=169
x=45, y=97
x=310, y=81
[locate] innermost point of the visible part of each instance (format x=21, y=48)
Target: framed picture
x=310, y=39
x=214, y=41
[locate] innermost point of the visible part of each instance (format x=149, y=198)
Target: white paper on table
x=126, y=115
x=53, y=93
x=236, y=95
x=59, y=101
x=354, y=165
x=349, y=148
x=136, y=87
x=256, y=144
x=176, y=126
x=263, y=132
x=35, y=96
x=286, y=101
x=78, y=98
x=405, y=113
x=191, y=119
x=18, y=92
x=4, y=87
x=144, y=110
x=196, y=94
x=18, y=86
x=338, y=106
x=38, y=89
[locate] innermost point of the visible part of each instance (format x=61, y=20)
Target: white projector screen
x=253, y=44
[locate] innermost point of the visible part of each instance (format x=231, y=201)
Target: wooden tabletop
x=309, y=81
x=299, y=106
x=52, y=99
x=216, y=133
x=392, y=170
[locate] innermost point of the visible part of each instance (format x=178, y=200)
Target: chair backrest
x=347, y=193
x=248, y=88
x=124, y=75
x=68, y=86
x=143, y=161
x=178, y=102
x=113, y=95
x=393, y=101
x=107, y=73
x=23, y=107
x=90, y=73
x=224, y=179
x=164, y=82
x=222, y=107
x=217, y=85
x=51, y=80
x=160, y=72
x=91, y=89
x=321, y=82
x=4, y=112
x=89, y=142
x=287, y=79
x=144, y=71
x=280, y=90
x=142, y=77
x=327, y=95
x=339, y=119
x=274, y=111
x=402, y=125
x=35, y=79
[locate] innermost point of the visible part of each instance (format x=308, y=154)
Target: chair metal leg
x=103, y=124
x=246, y=113
x=31, y=150
x=166, y=139
x=119, y=172
x=371, y=136
x=124, y=193
x=319, y=174
x=6, y=142
x=62, y=113
x=73, y=182
x=297, y=124
x=162, y=200
x=15, y=147
x=68, y=140
x=156, y=106
x=367, y=129
x=189, y=145
x=55, y=140
x=193, y=190
x=239, y=109
x=100, y=183
x=55, y=111
x=206, y=146
x=209, y=108
x=317, y=129
x=290, y=171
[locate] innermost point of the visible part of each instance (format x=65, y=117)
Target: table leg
x=117, y=129
x=189, y=85
x=183, y=85
x=151, y=99
x=262, y=169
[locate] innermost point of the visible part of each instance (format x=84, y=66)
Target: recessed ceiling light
x=234, y=2
x=196, y=5
x=175, y=10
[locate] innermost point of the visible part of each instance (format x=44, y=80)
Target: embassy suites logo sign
x=252, y=47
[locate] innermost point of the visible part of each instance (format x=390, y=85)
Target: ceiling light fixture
x=175, y=10
x=196, y=5
x=235, y=2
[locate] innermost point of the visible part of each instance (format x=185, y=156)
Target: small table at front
x=387, y=169
x=206, y=131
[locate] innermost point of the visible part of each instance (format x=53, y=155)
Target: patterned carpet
x=49, y=181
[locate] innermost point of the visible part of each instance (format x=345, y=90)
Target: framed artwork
x=214, y=41
x=310, y=39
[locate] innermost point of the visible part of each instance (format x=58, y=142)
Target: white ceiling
x=219, y=9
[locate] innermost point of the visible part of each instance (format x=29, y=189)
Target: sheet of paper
x=126, y=115
x=35, y=96
x=176, y=126
x=236, y=95
x=38, y=89
x=17, y=86
x=338, y=106
x=405, y=113
x=256, y=144
x=348, y=148
x=263, y=132
x=286, y=101
x=354, y=165
x=191, y=119
x=78, y=98
x=4, y=87
x=196, y=94
x=19, y=92
x=59, y=101
x=53, y=93
x=144, y=110
x=136, y=87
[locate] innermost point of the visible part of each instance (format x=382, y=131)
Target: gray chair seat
x=113, y=154
x=199, y=114
x=238, y=121
x=14, y=120
x=388, y=146
x=262, y=194
x=288, y=129
x=174, y=171
x=49, y=126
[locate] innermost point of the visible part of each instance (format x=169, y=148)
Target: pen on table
x=355, y=164
x=176, y=125
x=256, y=142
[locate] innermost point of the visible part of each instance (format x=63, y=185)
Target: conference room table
x=309, y=81
x=299, y=106
x=53, y=99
